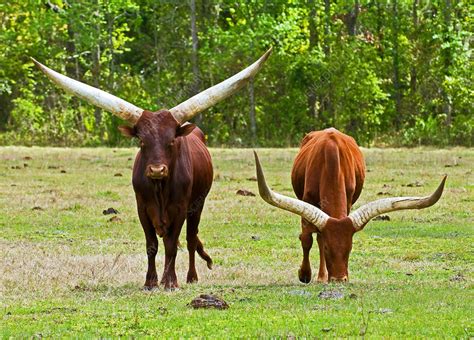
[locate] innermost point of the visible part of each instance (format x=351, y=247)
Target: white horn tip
x=36, y=62
x=39, y=65
x=262, y=184
x=439, y=191
x=267, y=54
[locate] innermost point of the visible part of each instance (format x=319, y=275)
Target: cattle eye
x=171, y=143
x=142, y=144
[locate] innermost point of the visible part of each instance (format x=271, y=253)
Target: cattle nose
x=157, y=171
x=339, y=279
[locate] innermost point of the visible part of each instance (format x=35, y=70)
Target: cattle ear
x=128, y=131
x=185, y=130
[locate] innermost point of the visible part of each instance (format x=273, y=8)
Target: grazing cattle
x=327, y=177
x=172, y=174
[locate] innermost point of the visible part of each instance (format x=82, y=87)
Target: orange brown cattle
x=172, y=174
x=327, y=177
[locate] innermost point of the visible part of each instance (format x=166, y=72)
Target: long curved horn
x=365, y=213
x=207, y=98
x=309, y=212
x=97, y=97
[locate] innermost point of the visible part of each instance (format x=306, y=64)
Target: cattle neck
x=160, y=147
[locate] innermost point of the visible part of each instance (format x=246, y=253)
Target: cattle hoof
x=151, y=283
x=192, y=278
x=150, y=288
x=305, y=277
x=170, y=284
x=209, y=264
x=323, y=280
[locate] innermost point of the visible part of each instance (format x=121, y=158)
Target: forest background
x=387, y=72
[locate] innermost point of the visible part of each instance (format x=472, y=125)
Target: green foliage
x=433, y=130
x=384, y=71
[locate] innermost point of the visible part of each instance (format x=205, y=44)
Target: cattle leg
x=170, y=240
x=151, y=280
x=195, y=244
x=306, y=238
x=192, y=244
x=323, y=272
x=169, y=279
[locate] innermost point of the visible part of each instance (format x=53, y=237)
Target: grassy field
x=66, y=270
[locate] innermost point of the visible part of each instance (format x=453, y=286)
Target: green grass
x=67, y=271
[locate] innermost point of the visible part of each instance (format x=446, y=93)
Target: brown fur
x=165, y=203
x=329, y=173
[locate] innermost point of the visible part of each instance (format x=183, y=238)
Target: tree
x=392, y=71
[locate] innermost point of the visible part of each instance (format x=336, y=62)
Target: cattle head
x=173, y=121
x=337, y=235
x=157, y=133
x=338, y=232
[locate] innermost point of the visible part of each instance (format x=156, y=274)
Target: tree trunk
x=352, y=19
x=72, y=70
x=313, y=41
x=396, y=66
x=96, y=65
x=413, y=73
x=326, y=102
x=327, y=24
x=253, y=120
x=194, y=56
x=110, y=29
x=313, y=31
x=380, y=36
x=156, y=47
x=447, y=57
x=96, y=80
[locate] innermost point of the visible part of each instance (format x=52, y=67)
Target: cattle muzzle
x=156, y=171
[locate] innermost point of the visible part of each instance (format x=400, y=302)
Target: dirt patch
x=115, y=219
x=243, y=192
x=384, y=193
x=457, y=278
x=110, y=211
x=331, y=295
x=415, y=184
x=382, y=218
x=208, y=301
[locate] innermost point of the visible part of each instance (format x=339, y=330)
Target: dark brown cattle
x=172, y=174
x=327, y=177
